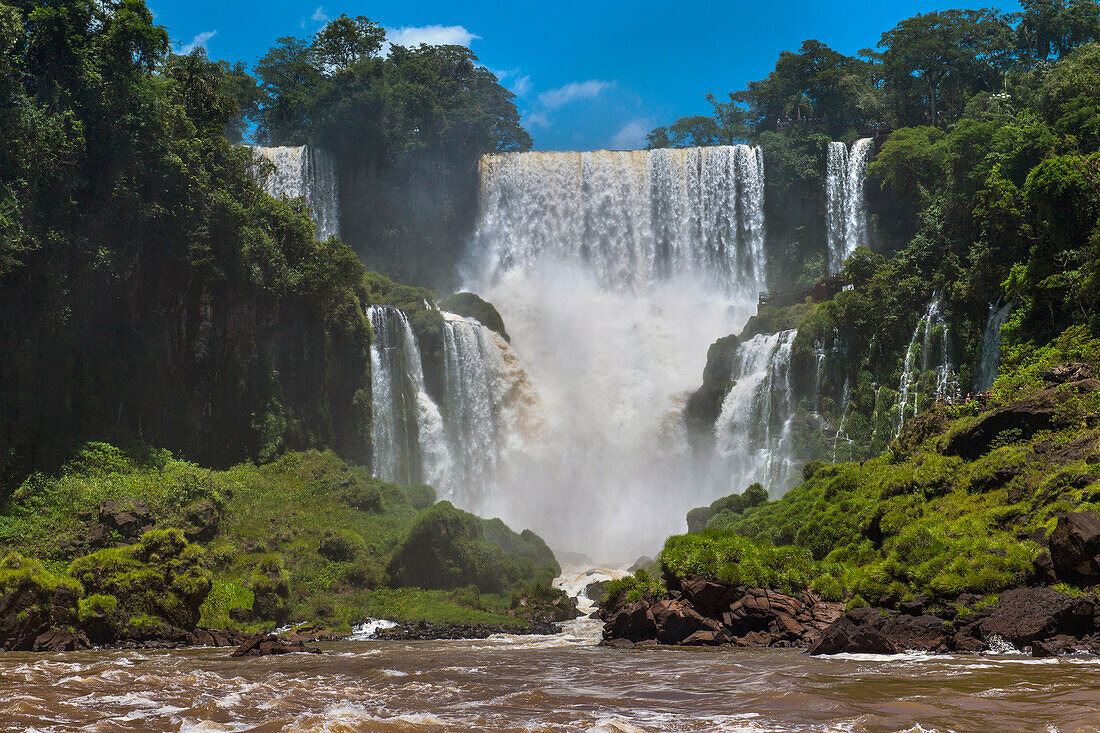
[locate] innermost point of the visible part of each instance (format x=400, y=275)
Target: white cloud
x=521, y=87
x=198, y=41
x=538, y=119
x=319, y=15
x=571, y=92
x=631, y=135
x=432, y=35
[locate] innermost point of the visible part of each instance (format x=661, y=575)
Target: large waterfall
x=753, y=431
x=614, y=271
x=990, y=359
x=845, y=205
x=305, y=172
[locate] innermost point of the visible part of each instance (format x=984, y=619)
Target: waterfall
x=841, y=432
x=753, y=430
x=309, y=173
x=845, y=205
x=614, y=271
x=990, y=358
x=935, y=377
x=630, y=218
x=397, y=382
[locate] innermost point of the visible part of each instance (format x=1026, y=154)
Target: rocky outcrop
x=1026, y=615
x=852, y=636
x=262, y=645
x=704, y=612
x=426, y=630
x=1022, y=419
x=1075, y=548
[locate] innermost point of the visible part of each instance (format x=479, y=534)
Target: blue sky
x=587, y=75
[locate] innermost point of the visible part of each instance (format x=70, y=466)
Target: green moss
x=482, y=311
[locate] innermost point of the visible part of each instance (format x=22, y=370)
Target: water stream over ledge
x=559, y=683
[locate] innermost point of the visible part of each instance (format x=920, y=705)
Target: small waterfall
x=931, y=342
x=397, y=390
x=991, y=346
x=841, y=432
x=845, y=204
x=309, y=173
x=753, y=430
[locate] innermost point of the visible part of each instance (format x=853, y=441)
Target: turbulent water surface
x=561, y=683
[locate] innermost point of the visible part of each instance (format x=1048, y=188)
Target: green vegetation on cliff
x=961, y=503
x=307, y=538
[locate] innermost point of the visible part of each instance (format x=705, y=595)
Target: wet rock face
x=1026, y=615
x=853, y=635
x=704, y=612
x=1075, y=548
x=263, y=645
x=129, y=517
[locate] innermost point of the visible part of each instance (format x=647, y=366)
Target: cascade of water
x=753, y=430
x=631, y=217
x=990, y=358
x=845, y=204
x=936, y=376
x=305, y=172
x=841, y=433
x=397, y=379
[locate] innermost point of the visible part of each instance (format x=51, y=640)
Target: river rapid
x=548, y=683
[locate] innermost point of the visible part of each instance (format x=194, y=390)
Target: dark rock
x=915, y=607
x=634, y=621
x=263, y=645
x=677, y=620
x=706, y=596
x=202, y=521
x=426, y=630
x=243, y=615
x=1023, y=418
x=1025, y=615
x=61, y=640
x=128, y=517
x=848, y=636
x=1044, y=570
x=596, y=590
x=1075, y=548
x=642, y=563
x=1071, y=372
x=926, y=633
x=617, y=643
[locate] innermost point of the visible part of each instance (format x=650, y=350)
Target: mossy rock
x=470, y=305
x=162, y=576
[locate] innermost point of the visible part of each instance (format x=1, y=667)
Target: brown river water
x=559, y=683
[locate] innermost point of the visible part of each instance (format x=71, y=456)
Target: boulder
x=706, y=596
x=853, y=636
x=129, y=517
x=677, y=620
x=633, y=622
x=1071, y=372
x=1025, y=615
x=1075, y=548
x=926, y=633
x=1025, y=417
x=596, y=590
x=262, y=645
x=61, y=640
x=202, y=521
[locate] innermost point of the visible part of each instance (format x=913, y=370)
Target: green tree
x=345, y=41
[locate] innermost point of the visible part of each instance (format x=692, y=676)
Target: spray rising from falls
x=614, y=271
x=990, y=359
x=309, y=173
x=845, y=205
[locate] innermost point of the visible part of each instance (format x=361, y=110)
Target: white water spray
x=305, y=172
x=614, y=271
